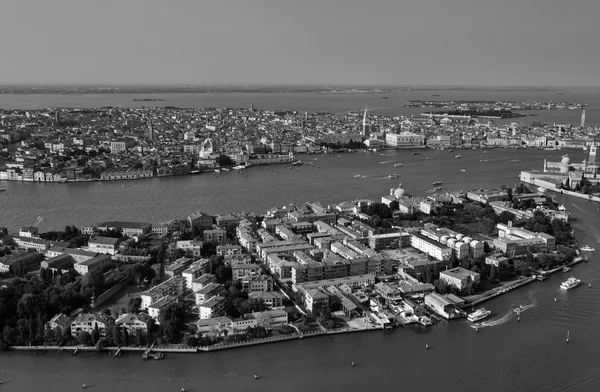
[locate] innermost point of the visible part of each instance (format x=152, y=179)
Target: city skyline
x=467, y=43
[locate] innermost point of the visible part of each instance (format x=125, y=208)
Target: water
x=507, y=355
x=160, y=199
x=329, y=102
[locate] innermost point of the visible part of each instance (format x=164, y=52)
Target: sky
x=312, y=42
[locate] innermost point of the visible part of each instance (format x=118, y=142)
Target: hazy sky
x=402, y=42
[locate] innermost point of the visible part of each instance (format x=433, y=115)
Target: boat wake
x=506, y=317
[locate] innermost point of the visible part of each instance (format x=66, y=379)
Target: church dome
x=398, y=193
x=565, y=160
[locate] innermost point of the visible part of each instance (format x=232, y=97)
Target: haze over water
x=530, y=355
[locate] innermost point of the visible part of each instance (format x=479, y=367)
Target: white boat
x=566, y=268
x=541, y=189
x=358, y=176
x=217, y=171
x=393, y=175
x=225, y=169
x=436, y=183
x=398, y=165
x=588, y=248
x=458, y=156
x=479, y=314
x=561, y=208
x=462, y=170
x=298, y=163
x=570, y=283
x=241, y=167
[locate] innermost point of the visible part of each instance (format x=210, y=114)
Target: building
x=178, y=266
x=384, y=241
x=172, y=287
x=196, y=270
x=229, y=250
x=203, y=281
x=207, y=292
x=62, y=262
x=133, y=323
x=104, y=245
x=514, y=240
x=86, y=322
x=214, y=307
x=459, y=277
x=271, y=299
x=430, y=247
x=442, y=306
x=218, y=236
x=60, y=321
x=404, y=140
x=130, y=229
x=20, y=263
x=252, y=283
x=77, y=254
x=242, y=270
x=314, y=299
x=487, y=196
x=36, y=244
x=156, y=308
x=227, y=221
x=200, y=221
x=98, y=263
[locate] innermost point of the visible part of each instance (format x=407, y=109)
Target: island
x=148, y=100
x=209, y=282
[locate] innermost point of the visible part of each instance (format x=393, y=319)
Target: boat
x=561, y=208
x=398, y=165
x=436, y=183
x=458, y=156
x=298, y=163
x=394, y=175
x=479, y=314
x=425, y=321
x=570, y=283
x=566, y=268
x=541, y=189
x=217, y=171
x=540, y=277
x=358, y=176
x=437, y=189
x=588, y=248
x=462, y=170
x=225, y=169
x=2, y=190
x=416, y=153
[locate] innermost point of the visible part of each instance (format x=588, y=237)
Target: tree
x=58, y=335
x=95, y=334
x=49, y=336
x=84, y=338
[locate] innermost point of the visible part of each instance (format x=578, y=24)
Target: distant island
x=478, y=113
x=149, y=100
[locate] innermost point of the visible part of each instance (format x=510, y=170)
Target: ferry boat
x=588, y=248
x=570, y=283
x=479, y=314
x=241, y=167
x=436, y=183
x=566, y=268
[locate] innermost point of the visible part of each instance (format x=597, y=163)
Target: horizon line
x=305, y=85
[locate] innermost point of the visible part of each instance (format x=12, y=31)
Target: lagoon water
x=529, y=355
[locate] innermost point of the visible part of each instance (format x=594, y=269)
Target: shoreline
x=74, y=350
